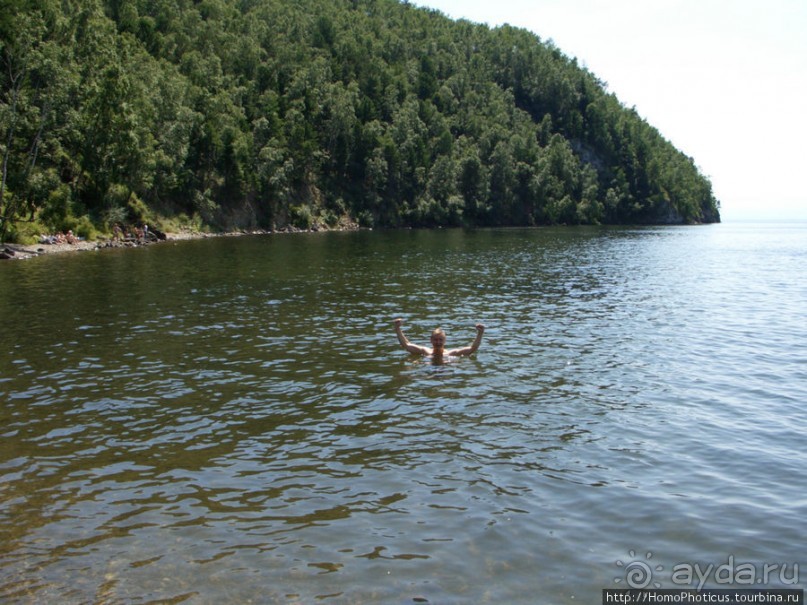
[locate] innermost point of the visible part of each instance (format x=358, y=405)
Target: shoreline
x=26, y=251
x=12, y=251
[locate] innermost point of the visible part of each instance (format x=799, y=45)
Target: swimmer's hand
x=480, y=328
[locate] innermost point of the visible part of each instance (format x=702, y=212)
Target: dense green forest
x=243, y=114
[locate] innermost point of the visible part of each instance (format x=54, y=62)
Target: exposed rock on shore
x=21, y=251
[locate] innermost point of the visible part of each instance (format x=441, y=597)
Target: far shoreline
x=26, y=251
x=12, y=251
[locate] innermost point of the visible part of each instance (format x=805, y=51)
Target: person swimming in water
x=438, y=342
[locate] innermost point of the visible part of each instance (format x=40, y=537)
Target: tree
x=35, y=88
x=261, y=111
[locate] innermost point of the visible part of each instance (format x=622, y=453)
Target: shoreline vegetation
x=229, y=115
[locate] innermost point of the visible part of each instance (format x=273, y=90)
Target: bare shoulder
x=464, y=351
x=418, y=350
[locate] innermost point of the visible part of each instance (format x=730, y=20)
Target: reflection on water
x=232, y=420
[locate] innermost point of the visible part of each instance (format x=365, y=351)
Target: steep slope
x=263, y=113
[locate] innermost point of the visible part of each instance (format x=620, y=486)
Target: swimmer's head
x=438, y=339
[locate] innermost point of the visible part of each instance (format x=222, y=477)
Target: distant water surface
x=232, y=421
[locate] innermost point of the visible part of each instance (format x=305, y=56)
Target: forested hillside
x=269, y=113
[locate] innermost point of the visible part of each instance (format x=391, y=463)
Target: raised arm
x=412, y=348
x=480, y=329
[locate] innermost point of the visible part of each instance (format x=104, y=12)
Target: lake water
x=232, y=420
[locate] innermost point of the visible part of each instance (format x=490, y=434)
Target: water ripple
x=255, y=434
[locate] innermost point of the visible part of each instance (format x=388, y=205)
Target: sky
x=724, y=80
